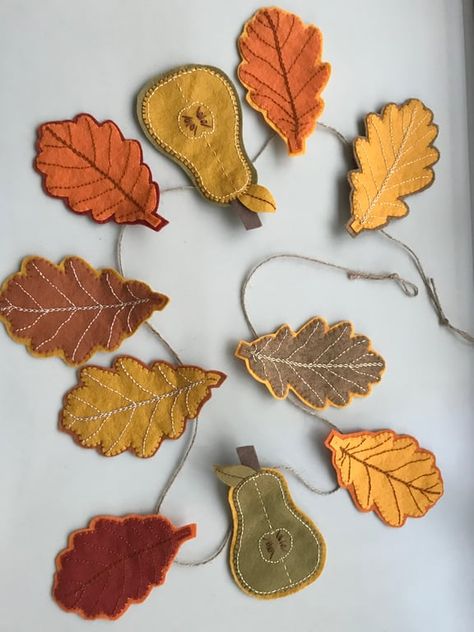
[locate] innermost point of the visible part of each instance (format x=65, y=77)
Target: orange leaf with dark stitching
x=96, y=170
x=72, y=310
x=386, y=473
x=115, y=562
x=283, y=73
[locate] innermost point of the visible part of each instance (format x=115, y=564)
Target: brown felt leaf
x=283, y=73
x=96, y=170
x=322, y=365
x=133, y=406
x=72, y=310
x=116, y=562
x=386, y=473
x=395, y=160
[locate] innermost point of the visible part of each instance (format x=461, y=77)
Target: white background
x=60, y=58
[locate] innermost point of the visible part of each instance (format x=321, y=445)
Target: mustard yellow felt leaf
x=258, y=199
x=386, y=473
x=133, y=406
x=395, y=160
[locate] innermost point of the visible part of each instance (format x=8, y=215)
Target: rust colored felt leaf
x=115, y=562
x=283, y=73
x=134, y=407
x=395, y=160
x=322, y=365
x=96, y=170
x=386, y=473
x=72, y=310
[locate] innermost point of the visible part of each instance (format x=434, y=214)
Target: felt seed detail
x=321, y=365
x=276, y=549
x=72, y=310
x=115, y=562
x=193, y=115
x=386, y=473
x=133, y=406
x=283, y=73
x=96, y=170
x=395, y=160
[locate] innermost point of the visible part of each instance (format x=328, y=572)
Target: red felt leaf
x=115, y=562
x=96, y=170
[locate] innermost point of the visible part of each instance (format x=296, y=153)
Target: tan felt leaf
x=72, y=310
x=395, y=160
x=283, y=73
x=232, y=475
x=133, y=406
x=322, y=365
x=386, y=473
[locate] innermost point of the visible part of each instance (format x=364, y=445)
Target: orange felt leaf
x=386, y=473
x=283, y=73
x=115, y=562
x=72, y=310
x=395, y=160
x=96, y=170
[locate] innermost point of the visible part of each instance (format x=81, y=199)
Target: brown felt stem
x=248, y=457
x=248, y=218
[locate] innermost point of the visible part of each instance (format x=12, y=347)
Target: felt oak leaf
x=115, y=562
x=394, y=160
x=192, y=114
x=283, y=73
x=276, y=549
x=321, y=365
x=134, y=407
x=96, y=170
x=72, y=310
x=386, y=473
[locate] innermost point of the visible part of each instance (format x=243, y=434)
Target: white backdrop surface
x=60, y=58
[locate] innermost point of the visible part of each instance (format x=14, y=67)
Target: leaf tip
x=215, y=378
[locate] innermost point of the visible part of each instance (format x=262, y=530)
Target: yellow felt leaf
x=258, y=199
x=386, y=473
x=133, y=406
x=395, y=160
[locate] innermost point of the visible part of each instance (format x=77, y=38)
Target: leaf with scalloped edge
x=321, y=365
x=94, y=169
x=116, y=562
x=133, y=406
x=386, y=473
x=71, y=310
x=395, y=159
x=282, y=70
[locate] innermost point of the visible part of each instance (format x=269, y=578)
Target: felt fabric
x=116, y=562
x=386, y=473
x=258, y=199
x=95, y=170
x=321, y=365
x=276, y=549
x=193, y=115
x=394, y=159
x=71, y=310
x=283, y=73
x=133, y=406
